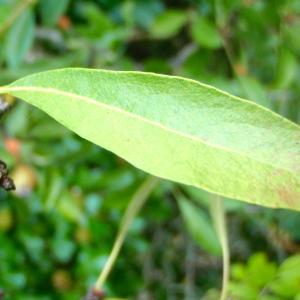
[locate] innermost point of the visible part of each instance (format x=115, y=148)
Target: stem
x=221, y=25
x=219, y=219
x=138, y=199
x=15, y=14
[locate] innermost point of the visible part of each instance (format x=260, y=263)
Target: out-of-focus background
x=57, y=229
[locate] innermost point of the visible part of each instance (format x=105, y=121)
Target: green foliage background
x=58, y=228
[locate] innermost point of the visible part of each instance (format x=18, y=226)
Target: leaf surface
x=177, y=129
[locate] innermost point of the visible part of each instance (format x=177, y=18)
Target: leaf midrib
x=138, y=117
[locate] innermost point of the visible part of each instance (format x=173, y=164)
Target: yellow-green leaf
x=177, y=129
x=168, y=24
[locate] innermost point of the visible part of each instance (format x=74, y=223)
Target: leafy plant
x=71, y=195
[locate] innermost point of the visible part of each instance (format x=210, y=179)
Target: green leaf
x=205, y=33
x=288, y=277
x=69, y=208
x=177, y=129
x=199, y=226
x=291, y=34
x=286, y=69
x=98, y=23
x=51, y=10
x=267, y=272
x=19, y=39
x=168, y=24
x=290, y=268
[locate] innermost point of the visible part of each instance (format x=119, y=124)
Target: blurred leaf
x=288, y=278
x=290, y=268
x=238, y=271
x=205, y=33
x=51, y=10
x=287, y=66
x=68, y=207
x=17, y=280
x=98, y=23
x=52, y=189
x=250, y=281
x=199, y=226
x=63, y=249
x=35, y=247
x=243, y=291
x=199, y=195
x=267, y=270
x=70, y=59
x=17, y=122
x=127, y=12
x=93, y=204
x=168, y=24
x=46, y=130
x=291, y=32
x=264, y=278
x=19, y=39
x=146, y=11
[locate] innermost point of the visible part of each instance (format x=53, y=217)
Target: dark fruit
x=5, y=181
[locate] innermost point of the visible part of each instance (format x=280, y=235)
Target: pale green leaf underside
x=177, y=129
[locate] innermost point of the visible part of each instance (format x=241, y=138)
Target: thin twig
x=218, y=216
x=222, y=27
x=190, y=268
x=134, y=207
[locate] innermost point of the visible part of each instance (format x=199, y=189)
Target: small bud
x=94, y=294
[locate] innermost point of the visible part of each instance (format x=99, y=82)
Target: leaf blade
x=177, y=129
x=199, y=226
